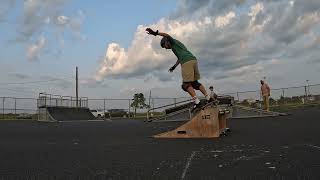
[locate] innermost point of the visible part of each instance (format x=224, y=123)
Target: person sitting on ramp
x=189, y=66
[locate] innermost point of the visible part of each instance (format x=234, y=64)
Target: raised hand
x=172, y=69
x=151, y=32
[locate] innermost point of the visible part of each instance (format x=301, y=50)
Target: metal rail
x=160, y=107
x=157, y=119
x=46, y=99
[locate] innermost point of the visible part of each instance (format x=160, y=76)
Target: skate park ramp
x=65, y=114
x=205, y=124
x=239, y=111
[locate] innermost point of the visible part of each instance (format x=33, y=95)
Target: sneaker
x=195, y=107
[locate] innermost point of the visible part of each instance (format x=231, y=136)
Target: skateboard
x=225, y=132
x=203, y=105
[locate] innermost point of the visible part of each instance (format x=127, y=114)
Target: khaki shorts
x=190, y=71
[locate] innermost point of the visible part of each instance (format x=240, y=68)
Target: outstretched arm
x=174, y=66
x=155, y=33
x=164, y=34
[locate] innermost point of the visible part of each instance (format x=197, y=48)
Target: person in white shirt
x=213, y=95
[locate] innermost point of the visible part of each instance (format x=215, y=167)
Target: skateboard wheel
x=223, y=134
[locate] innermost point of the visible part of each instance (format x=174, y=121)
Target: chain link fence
x=280, y=98
x=122, y=108
x=18, y=108
x=27, y=108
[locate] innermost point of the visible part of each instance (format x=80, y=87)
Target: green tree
x=138, y=102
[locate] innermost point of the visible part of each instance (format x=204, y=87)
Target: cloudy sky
x=236, y=42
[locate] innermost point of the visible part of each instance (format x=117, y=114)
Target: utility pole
x=77, y=102
x=308, y=88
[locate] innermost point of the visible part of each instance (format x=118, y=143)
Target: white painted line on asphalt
x=188, y=165
x=95, y=120
x=317, y=147
x=82, y=121
x=216, y=151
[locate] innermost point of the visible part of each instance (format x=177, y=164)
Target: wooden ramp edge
x=223, y=116
x=205, y=124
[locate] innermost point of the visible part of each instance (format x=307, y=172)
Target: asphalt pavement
x=283, y=147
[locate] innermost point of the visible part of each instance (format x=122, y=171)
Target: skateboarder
x=189, y=66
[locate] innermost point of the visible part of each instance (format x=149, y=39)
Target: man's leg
x=197, y=85
x=264, y=102
x=187, y=71
x=203, y=90
x=187, y=86
x=267, y=103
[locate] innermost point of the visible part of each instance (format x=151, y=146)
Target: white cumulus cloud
x=222, y=21
x=45, y=17
x=232, y=40
x=33, y=51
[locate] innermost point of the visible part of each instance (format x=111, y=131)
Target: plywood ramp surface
x=205, y=124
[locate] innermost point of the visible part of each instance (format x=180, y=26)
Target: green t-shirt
x=182, y=53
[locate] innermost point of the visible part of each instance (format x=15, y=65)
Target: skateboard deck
x=203, y=105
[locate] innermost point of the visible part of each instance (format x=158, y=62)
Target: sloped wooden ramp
x=205, y=124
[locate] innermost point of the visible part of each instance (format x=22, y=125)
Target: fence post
x=238, y=97
x=15, y=107
x=129, y=108
x=175, y=102
x=306, y=94
x=149, y=107
x=3, y=107
x=104, y=108
x=50, y=100
x=284, y=99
